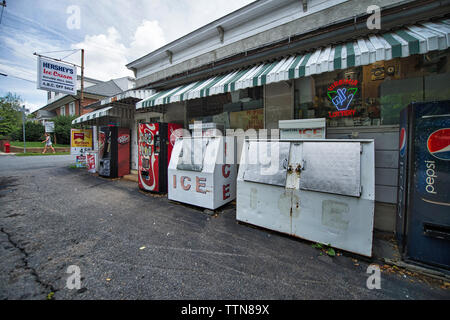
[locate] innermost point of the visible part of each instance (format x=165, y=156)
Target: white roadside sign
x=56, y=76
x=49, y=126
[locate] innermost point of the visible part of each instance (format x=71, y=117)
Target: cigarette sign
x=56, y=76
x=78, y=135
x=80, y=141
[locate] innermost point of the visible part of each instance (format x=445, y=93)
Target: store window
x=374, y=94
x=241, y=109
x=72, y=108
x=62, y=111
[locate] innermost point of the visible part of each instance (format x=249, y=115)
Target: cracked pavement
x=131, y=245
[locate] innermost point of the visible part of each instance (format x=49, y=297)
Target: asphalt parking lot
x=132, y=245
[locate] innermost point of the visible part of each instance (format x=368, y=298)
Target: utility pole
x=3, y=4
x=82, y=82
x=23, y=109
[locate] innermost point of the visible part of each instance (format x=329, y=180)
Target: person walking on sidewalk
x=48, y=143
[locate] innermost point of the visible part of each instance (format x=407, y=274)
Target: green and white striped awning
x=92, y=115
x=415, y=39
x=111, y=111
x=138, y=94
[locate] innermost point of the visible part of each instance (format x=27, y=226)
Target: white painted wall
x=254, y=19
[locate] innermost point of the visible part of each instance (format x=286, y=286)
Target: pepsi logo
x=402, y=142
x=123, y=139
x=438, y=144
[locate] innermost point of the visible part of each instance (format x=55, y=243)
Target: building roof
x=44, y=114
x=99, y=90
x=106, y=89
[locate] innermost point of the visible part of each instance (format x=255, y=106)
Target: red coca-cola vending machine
x=155, y=146
x=114, y=151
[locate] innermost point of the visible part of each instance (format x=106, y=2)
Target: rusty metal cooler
x=202, y=171
x=319, y=190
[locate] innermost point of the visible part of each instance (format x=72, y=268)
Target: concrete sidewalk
x=6, y=154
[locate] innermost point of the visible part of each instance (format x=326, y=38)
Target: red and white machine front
x=155, y=144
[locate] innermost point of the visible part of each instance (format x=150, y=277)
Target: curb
x=421, y=270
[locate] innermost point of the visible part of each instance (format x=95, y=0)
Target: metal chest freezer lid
x=332, y=166
x=196, y=152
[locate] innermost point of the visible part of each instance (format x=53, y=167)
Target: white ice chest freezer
x=318, y=190
x=202, y=171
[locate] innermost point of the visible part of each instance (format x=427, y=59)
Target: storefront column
x=277, y=103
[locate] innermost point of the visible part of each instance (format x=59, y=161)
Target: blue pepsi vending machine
x=423, y=210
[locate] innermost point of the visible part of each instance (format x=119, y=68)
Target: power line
x=7, y=75
x=62, y=51
x=42, y=26
x=18, y=67
x=74, y=51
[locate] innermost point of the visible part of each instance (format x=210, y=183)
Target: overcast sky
x=113, y=33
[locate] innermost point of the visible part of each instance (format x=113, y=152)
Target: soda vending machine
x=114, y=151
x=156, y=141
x=423, y=211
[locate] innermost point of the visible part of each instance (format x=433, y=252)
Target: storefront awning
x=128, y=95
x=111, y=111
x=92, y=115
x=415, y=39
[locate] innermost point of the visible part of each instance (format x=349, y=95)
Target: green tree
x=10, y=115
x=33, y=132
x=63, y=124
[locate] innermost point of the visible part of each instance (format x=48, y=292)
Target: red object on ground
x=7, y=145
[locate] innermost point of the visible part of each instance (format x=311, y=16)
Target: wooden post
x=82, y=82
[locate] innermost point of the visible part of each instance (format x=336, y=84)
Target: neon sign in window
x=341, y=93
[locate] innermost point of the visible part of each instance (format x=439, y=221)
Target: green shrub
x=33, y=132
x=63, y=124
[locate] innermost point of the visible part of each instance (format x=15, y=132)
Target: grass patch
x=36, y=144
x=45, y=154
